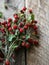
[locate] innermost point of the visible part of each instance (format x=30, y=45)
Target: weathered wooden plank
x=40, y=55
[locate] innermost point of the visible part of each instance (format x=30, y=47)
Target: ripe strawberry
x=21, y=30
x=10, y=29
x=35, y=42
x=30, y=10
x=24, y=9
x=23, y=44
x=9, y=19
x=25, y=27
x=7, y=62
x=15, y=27
x=27, y=45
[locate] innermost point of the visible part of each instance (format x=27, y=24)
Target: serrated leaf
x=11, y=37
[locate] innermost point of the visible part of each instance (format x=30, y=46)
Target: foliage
x=17, y=33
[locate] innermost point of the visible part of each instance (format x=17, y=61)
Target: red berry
x=27, y=45
x=5, y=22
x=16, y=16
x=21, y=24
x=24, y=20
x=9, y=19
x=24, y=9
x=2, y=30
x=9, y=24
x=35, y=42
x=26, y=27
x=23, y=44
x=30, y=40
x=35, y=27
x=15, y=27
x=10, y=29
x=30, y=10
x=15, y=21
x=21, y=30
x=7, y=62
x=5, y=25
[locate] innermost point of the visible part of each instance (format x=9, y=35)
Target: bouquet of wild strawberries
x=16, y=33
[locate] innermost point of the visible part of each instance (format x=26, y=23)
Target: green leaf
x=1, y=14
x=32, y=16
x=27, y=37
x=29, y=18
x=11, y=37
x=14, y=47
x=16, y=32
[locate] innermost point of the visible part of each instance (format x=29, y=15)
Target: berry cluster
x=17, y=33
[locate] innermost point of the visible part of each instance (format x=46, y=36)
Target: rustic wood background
x=37, y=55
x=40, y=55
